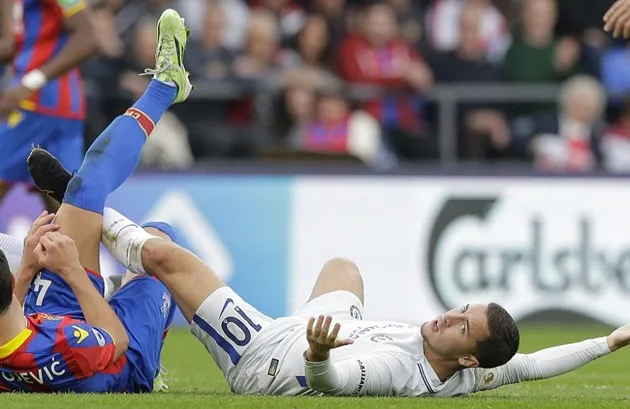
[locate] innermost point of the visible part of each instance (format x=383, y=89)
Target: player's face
x=454, y=335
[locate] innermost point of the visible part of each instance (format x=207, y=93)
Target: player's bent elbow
x=122, y=344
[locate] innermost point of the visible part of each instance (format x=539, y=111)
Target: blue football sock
x=164, y=228
x=114, y=155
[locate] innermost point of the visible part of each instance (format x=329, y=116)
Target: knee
x=343, y=268
x=155, y=256
x=339, y=274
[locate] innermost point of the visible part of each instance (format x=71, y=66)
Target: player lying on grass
x=70, y=352
x=466, y=350
x=69, y=338
x=463, y=351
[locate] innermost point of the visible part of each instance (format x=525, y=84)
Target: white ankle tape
x=124, y=239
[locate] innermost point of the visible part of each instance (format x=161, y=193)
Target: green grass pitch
x=195, y=382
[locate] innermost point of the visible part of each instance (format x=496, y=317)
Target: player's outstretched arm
x=554, y=361
x=7, y=42
x=375, y=374
x=58, y=253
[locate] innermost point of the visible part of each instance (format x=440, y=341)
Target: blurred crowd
x=356, y=79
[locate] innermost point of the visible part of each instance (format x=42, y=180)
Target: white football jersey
x=385, y=359
x=259, y=355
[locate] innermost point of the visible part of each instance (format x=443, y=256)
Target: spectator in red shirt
x=337, y=129
x=378, y=55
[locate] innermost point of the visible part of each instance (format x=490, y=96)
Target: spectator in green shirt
x=536, y=55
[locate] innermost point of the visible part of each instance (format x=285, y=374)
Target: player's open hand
x=617, y=19
x=58, y=253
x=321, y=340
x=40, y=226
x=619, y=338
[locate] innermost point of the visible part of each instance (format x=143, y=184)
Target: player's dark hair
x=6, y=284
x=504, y=339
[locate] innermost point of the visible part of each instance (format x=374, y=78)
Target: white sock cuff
x=124, y=239
x=12, y=247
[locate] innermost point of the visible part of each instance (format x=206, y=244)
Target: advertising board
x=423, y=244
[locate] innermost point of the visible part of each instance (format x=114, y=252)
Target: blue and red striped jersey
x=61, y=354
x=40, y=35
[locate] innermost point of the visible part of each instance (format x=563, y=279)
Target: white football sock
x=13, y=249
x=124, y=239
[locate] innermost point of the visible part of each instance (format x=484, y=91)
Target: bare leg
x=109, y=161
x=84, y=227
x=336, y=275
x=188, y=279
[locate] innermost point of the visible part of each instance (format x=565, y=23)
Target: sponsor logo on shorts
x=99, y=337
x=227, y=302
x=355, y=313
x=273, y=367
x=80, y=334
x=381, y=338
x=166, y=305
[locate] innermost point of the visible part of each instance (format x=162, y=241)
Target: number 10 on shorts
x=236, y=332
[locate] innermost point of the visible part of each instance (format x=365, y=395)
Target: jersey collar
x=429, y=377
x=13, y=345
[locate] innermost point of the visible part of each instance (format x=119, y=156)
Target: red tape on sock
x=143, y=120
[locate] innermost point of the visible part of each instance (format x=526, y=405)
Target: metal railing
x=446, y=97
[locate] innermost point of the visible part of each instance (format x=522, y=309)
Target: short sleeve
x=71, y=7
x=91, y=348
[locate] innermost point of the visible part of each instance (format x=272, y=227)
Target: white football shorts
x=248, y=346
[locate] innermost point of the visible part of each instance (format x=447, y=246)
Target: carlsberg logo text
x=549, y=269
x=529, y=260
